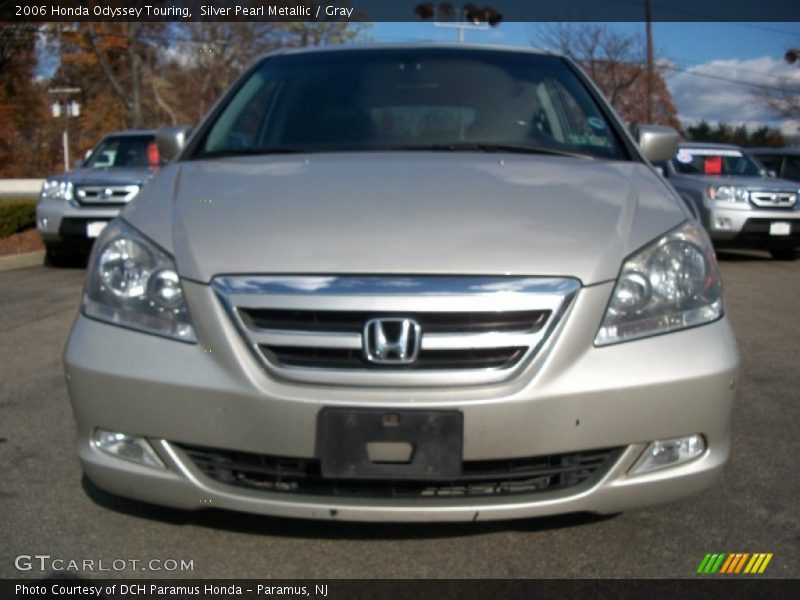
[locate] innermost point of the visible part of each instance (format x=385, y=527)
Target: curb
x=24, y=260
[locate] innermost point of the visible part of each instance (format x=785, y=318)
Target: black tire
x=59, y=258
x=785, y=253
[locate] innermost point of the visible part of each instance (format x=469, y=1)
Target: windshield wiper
x=487, y=147
x=249, y=152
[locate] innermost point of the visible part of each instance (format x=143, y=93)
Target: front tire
x=785, y=253
x=57, y=257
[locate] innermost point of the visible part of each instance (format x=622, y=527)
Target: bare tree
x=615, y=61
x=130, y=94
x=784, y=98
x=604, y=53
x=208, y=56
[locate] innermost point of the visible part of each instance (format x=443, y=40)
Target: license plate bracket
x=436, y=437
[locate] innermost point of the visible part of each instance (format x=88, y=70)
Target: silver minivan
x=405, y=283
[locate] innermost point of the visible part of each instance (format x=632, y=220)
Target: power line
x=739, y=69
x=729, y=80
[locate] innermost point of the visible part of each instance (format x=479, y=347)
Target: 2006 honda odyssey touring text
x=405, y=283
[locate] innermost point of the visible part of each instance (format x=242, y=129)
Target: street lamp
x=65, y=109
x=469, y=16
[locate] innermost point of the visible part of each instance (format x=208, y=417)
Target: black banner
x=491, y=12
x=440, y=589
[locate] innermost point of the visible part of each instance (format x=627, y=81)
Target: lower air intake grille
x=479, y=478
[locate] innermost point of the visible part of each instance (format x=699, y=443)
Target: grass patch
x=16, y=215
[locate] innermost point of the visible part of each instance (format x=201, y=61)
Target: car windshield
x=434, y=99
x=124, y=151
x=715, y=162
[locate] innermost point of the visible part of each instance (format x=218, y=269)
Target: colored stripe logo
x=732, y=563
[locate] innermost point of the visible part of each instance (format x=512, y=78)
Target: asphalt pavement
x=48, y=508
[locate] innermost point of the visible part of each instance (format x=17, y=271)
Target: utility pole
x=648, y=17
x=66, y=110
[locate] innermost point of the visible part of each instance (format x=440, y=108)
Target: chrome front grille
x=474, y=330
x=773, y=199
x=106, y=194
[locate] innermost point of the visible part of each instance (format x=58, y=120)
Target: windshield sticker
x=590, y=140
x=712, y=165
x=596, y=122
x=684, y=157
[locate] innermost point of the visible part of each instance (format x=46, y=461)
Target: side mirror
x=657, y=142
x=171, y=140
x=772, y=173
x=88, y=154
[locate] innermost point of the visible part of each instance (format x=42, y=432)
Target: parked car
x=405, y=283
x=75, y=206
x=783, y=162
x=735, y=198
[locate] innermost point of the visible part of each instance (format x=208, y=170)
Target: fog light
x=668, y=453
x=129, y=447
x=722, y=223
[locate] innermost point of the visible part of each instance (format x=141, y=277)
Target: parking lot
x=46, y=507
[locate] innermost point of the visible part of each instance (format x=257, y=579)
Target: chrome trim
x=773, y=199
x=375, y=295
x=465, y=341
x=315, y=285
x=353, y=341
x=305, y=339
x=106, y=194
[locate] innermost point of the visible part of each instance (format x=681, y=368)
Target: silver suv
x=405, y=283
x=737, y=201
x=74, y=207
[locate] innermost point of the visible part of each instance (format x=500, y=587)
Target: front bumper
x=751, y=228
x=63, y=224
x=214, y=394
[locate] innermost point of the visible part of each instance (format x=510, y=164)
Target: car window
x=124, y=151
x=773, y=163
x=791, y=168
x=395, y=99
x=715, y=162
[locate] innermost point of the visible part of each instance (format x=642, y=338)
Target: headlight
x=133, y=283
x=52, y=189
x=671, y=284
x=727, y=193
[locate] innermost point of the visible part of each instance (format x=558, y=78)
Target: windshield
x=124, y=151
x=412, y=99
x=715, y=162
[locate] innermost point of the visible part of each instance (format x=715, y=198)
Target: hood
x=766, y=184
x=405, y=213
x=113, y=176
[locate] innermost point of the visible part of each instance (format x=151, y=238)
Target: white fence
x=20, y=189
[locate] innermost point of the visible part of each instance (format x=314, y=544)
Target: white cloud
x=703, y=92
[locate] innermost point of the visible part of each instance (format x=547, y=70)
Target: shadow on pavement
x=301, y=528
x=743, y=256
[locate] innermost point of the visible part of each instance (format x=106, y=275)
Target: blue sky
x=718, y=67
x=699, y=42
